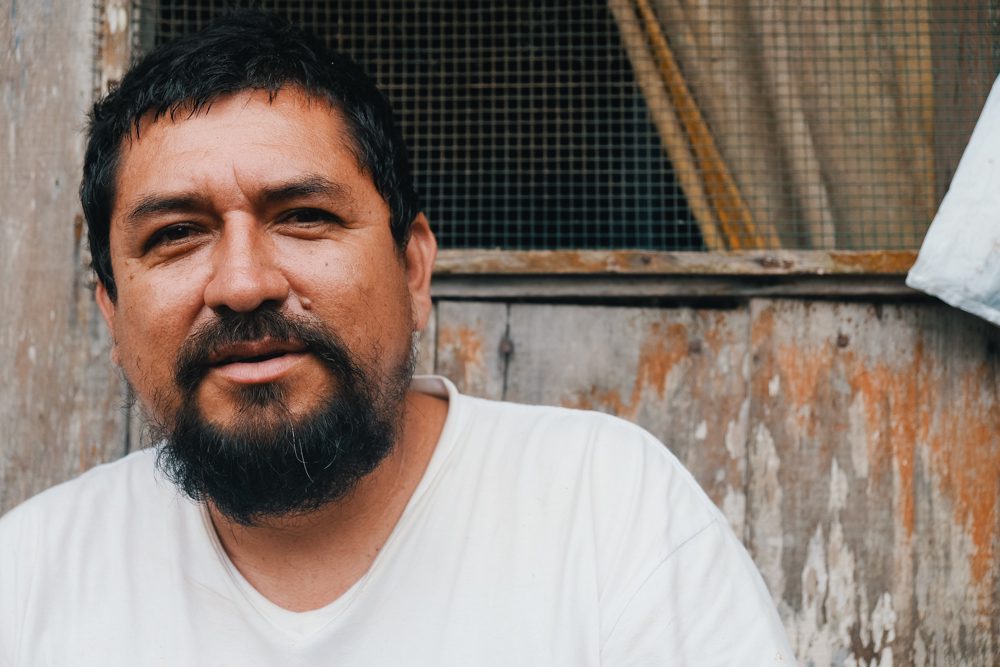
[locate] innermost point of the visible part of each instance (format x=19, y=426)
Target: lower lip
x=259, y=372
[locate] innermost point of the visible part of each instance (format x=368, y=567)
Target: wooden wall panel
x=874, y=480
x=427, y=346
x=468, y=346
x=60, y=398
x=681, y=373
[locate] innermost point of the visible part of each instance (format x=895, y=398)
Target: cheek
x=366, y=303
x=148, y=348
x=152, y=327
x=138, y=346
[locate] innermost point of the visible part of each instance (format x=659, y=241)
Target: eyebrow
x=155, y=204
x=310, y=185
x=307, y=186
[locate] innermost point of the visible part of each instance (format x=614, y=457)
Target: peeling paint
x=964, y=456
x=660, y=352
x=884, y=627
x=807, y=629
x=801, y=369
x=736, y=433
x=968, y=460
x=767, y=536
x=857, y=435
x=828, y=629
x=919, y=652
x=838, y=488
x=892, y=447
x=661, y=349
x=734, y=508
x=461, y=349
x=842, y=591
x=887, y=425
x=117, y=18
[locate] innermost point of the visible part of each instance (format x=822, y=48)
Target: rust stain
x=967, y=458
x=715, y=336
x=763, y=328
x=89, y=456
x=761, y=335
x=885, y=389
x=960, y=426
x=625, y=262
x=801, y=370
x=462, y=347
x=539, y=261
x=464, y=343
x=881, y=262
x=661, y=349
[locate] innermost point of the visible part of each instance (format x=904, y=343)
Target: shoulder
x=568, y=437
x=563, y=427
x=60, y=533
x=582, y=460
x=674, y=582
x=560, y=430
x=103, y=483
x=598, y=485
x=109, y=497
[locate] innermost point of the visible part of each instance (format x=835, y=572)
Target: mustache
x=267, y=462
x=228, y=328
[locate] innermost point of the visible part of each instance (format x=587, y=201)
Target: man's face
x=255, y=206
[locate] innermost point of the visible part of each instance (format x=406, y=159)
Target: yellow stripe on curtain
x=712, y=193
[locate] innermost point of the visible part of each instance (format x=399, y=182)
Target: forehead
x=237, y=143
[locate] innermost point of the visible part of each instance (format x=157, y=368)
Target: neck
x=306, y=561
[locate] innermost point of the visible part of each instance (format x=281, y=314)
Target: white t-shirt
x=538, y=536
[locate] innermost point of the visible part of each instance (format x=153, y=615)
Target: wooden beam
x=641, y=262
x=606, y=289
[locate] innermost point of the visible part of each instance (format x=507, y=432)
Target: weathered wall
x=854, y=446
x=59, y=398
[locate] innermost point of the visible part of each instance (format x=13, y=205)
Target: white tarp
x=959, y=261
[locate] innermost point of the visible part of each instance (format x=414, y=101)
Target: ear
x=107, y=307
x=419, y=257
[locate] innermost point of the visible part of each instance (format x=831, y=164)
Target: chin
x=277, y=456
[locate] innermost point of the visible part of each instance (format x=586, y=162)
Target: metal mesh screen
x=665, y=124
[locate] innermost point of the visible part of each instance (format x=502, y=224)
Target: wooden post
x=60, y=396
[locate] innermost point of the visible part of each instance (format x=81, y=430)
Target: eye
x=170, y=234
x=310, y=216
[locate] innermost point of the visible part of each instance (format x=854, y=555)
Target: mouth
x=256, y=362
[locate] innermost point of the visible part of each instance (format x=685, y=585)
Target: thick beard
x=272, y=465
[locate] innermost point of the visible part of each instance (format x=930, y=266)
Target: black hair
x=243, y=50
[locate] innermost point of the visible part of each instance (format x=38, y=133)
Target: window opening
x=664, y=124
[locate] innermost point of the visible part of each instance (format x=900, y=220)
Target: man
x=263, y=266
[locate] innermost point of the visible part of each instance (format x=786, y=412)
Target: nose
x=245, y=273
